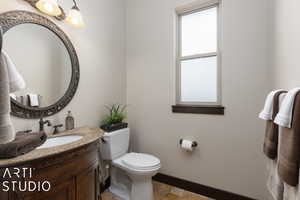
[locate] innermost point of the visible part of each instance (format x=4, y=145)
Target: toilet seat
x=140, y=161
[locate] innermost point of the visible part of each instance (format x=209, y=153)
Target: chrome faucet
x=42, y=123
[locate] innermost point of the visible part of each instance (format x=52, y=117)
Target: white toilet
x=131, y=173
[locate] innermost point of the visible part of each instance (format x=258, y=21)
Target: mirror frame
x=11, y=19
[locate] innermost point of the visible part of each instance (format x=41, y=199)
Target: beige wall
x=286, y=44
x=101, y=50
x=229, y=155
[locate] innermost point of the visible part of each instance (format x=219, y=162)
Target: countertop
x=89, y=135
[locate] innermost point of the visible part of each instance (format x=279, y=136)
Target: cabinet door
x=88, y=184
x=4, y=195
x=63, y=191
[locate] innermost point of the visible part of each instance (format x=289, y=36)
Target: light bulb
x=50, y=7
x=75, y=18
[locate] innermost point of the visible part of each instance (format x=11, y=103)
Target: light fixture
x=50, y=7
x=74, y=17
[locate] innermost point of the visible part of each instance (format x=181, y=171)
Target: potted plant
x=114, y=120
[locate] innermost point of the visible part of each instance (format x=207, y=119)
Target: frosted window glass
x=199, y=32
x=199, y=80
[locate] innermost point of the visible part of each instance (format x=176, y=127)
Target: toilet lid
x=140, y=161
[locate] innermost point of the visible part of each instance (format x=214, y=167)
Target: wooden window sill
x=193, y=109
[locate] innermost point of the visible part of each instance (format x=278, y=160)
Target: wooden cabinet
x=63, y=191
x=73, y=175
x=87, y=184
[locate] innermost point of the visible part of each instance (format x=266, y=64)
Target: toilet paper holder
x=194, y=143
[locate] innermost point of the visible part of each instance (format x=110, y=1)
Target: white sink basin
x=58, y=141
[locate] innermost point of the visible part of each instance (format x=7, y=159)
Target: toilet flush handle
x=103, y=140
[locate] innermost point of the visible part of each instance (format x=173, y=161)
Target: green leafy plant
x=116, y=114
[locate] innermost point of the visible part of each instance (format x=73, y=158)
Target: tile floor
x=165, y=192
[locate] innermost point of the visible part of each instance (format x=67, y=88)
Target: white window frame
x=186, y=10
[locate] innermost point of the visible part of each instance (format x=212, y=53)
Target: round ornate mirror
x=47, y=60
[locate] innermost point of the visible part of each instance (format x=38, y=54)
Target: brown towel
x=289, y=155
x=270, y=147
x=23, y=143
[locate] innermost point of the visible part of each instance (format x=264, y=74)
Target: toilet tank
x=115, y=144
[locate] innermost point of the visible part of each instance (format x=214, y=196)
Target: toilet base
x=120, y=183
x=139, y=190
x=130, y=186
x=142, y=190
x=120, y=193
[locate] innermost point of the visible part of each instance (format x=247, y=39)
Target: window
x=198, y=56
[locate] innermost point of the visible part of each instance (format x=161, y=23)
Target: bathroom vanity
x=72, y=170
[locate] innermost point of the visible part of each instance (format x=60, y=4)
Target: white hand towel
x=33, y=100
x=7, y=132
x=274, y=184
x=291, y=193
x=267, y=112
x=16, y=81
x=285, y=114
